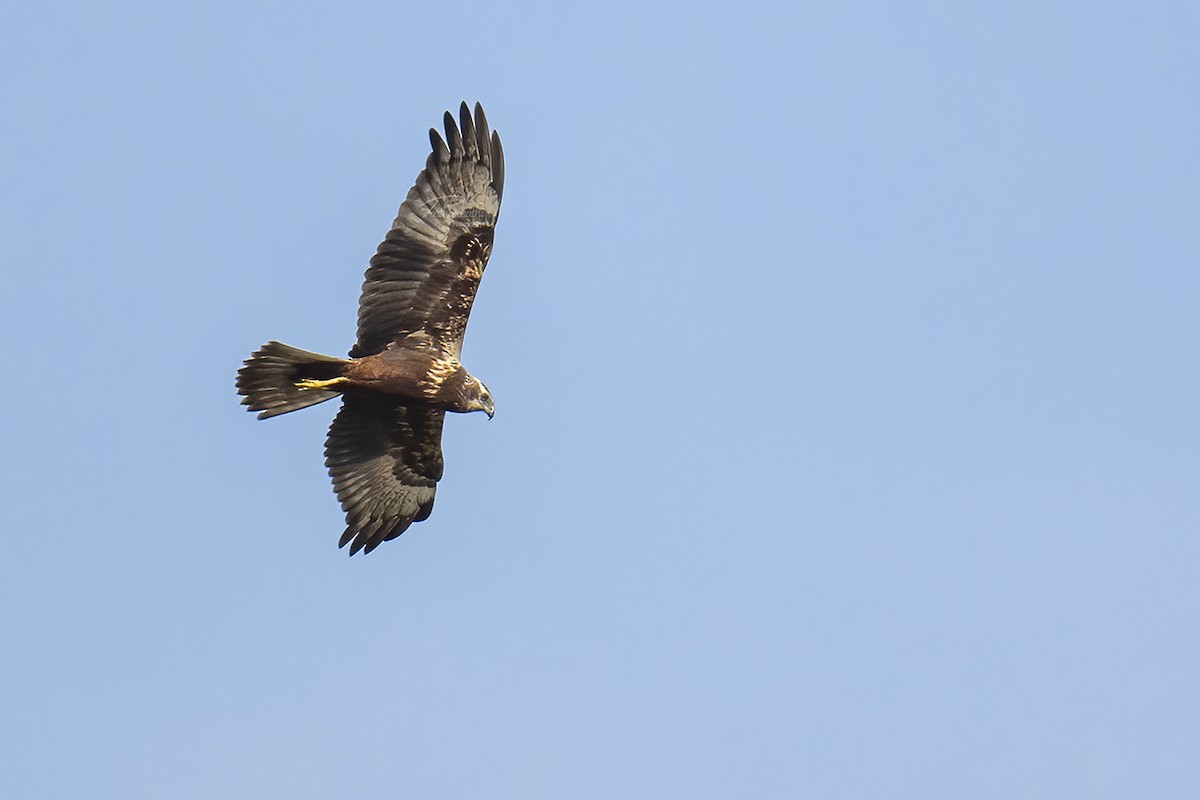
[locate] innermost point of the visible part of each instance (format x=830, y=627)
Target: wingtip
x=453, y=136
x=497, y=165
x=467, y=125
x=440, y=151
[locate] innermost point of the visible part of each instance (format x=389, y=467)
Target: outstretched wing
x=385, y=459
x=426, y=271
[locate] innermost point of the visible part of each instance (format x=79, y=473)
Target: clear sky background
x=845, y=366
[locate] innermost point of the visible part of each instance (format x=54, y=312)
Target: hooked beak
x=490, y=409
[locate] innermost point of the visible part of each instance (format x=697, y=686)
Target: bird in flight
x=384, y=449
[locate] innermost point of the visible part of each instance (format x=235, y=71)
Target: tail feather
x=268, y=380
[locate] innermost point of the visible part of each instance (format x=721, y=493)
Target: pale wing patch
x=439, y=372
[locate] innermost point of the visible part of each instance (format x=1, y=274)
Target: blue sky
x=845, y=367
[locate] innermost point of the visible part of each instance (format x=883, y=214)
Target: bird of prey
x=384, y=449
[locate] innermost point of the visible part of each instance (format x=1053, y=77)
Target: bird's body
x=413, y=375
x=404, y=372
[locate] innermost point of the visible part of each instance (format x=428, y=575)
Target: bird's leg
x=310, y=383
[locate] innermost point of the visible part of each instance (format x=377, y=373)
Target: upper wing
x=385, y=459
x=426, y=271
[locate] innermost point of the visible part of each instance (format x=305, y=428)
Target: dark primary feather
x=426, y=271
x=385, y=458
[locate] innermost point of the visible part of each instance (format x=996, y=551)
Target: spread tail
x=268, y=381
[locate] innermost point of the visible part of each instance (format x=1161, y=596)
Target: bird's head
x=478, y=398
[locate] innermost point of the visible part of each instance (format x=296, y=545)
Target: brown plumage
x=384, y=449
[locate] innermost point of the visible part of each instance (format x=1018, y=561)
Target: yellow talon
x=309, y=383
